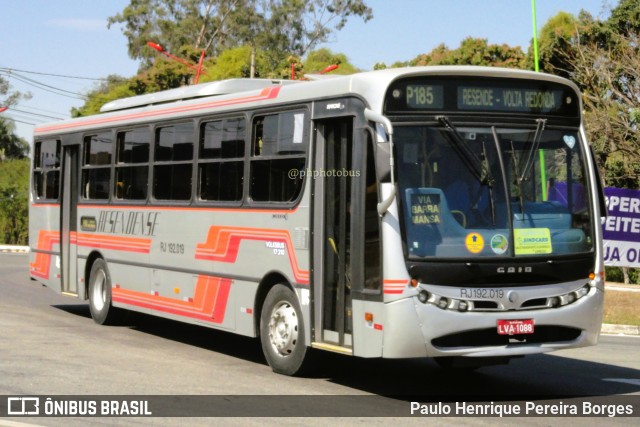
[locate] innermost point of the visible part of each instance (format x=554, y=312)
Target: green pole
x=535, y=36
x=543, y=167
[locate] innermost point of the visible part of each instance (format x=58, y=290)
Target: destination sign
x=491, y=95
x=424, y=96
x=488, y=98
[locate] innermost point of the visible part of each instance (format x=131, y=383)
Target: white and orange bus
x=446, y=212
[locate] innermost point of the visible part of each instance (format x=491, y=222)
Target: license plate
x=515, y=327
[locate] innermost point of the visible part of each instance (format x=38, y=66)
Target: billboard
x=621, y=228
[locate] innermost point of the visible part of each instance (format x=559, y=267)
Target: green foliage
x=473, y=51
x=114, y=88
x=603, y=59
x=320, y=59
x=279, y=32
x=9, y=98
x=616, y=274
x=235, y=63
x=14, y=208
x=202, y=24
x=557, y=34
x=162, y=75
x=295, y=27
x=14, y=174
x=625, y=18
x=11, y=145
x=279, y=28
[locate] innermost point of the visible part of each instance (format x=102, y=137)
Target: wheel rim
x=99, y=294
x=283, y=328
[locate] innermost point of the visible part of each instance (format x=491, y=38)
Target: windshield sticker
x=499, y=244
x=532, y=241
x=474, y=243
x=570, y=140
x=425, y=209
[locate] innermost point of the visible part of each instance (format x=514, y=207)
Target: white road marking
x=632, y=381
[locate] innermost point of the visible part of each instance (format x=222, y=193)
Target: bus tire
x=102, y=311
x=282, y=331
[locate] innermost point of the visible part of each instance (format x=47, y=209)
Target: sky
x=70, y=38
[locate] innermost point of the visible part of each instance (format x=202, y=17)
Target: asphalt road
x=49, y=345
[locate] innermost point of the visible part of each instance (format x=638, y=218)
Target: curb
x=14, y=249
x=608, y=328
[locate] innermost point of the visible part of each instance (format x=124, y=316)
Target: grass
x=622, y=308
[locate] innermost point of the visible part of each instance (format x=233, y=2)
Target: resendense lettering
x=477, y=97
x=133, y=223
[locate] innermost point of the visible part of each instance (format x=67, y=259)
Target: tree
x=277, y=28
x=625, y=18
x=556, y=35
x=237, y=36
x=236, y=62
x=296, y=27
x=200, y=24
x=609, y=79
x=14, y=211
x=114, y=87
x=320, y=59
x=473, y=51
x=603, y=59
x=11, y=146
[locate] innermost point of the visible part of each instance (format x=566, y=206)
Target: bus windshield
x=489, y=191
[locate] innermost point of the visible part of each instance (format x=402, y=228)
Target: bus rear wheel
x=282, y=331
x=102, y=311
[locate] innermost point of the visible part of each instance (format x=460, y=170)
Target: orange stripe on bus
x=209, y=301
x=223, y=244
x=394, y=286
x=126, y=244
x=42, y=262
x=267, y=93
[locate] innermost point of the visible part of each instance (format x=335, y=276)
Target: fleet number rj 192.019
x=482, y=293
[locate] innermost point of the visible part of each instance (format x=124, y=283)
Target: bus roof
x=222, y=87
x=238, y=94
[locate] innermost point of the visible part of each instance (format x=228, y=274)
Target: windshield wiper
x=522, y=174
x=534, y=147
x=516, y=171
x=478, y=167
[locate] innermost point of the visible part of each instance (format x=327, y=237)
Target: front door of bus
x=332, y=221
x=68, y=219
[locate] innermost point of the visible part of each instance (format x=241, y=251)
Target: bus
x=430, y=212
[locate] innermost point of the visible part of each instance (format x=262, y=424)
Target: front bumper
x=425, y=330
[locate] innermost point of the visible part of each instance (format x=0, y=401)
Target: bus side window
x=96, y=166
x=46, y=170
x=279, y=146
x=173, y=162
x=221, y=160
x=132, y=165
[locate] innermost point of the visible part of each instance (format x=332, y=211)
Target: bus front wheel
x=282, y=331
x=102, y=312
